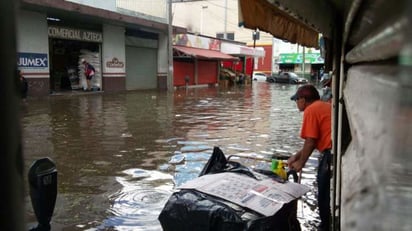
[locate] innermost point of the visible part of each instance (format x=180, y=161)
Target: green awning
x=296, y=58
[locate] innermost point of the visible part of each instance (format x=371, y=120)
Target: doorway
x=65, y=58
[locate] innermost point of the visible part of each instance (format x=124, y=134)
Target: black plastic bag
x=191, y=210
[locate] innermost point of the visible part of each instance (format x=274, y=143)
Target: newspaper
x=265, y=196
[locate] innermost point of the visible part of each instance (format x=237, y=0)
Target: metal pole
x=303, y=61
x=170, y=49
x=11, y=164
x=225, y=30
x=253, y=57
x=201, y=18
x=201, y=21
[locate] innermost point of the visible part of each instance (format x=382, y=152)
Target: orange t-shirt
x=317, y=124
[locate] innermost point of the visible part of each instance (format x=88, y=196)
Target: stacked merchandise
x=92, y=58
x=74, y=78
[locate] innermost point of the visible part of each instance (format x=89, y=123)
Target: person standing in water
x=89, y=72
x=316, y=131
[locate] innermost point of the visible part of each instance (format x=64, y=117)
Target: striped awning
x=265, y=16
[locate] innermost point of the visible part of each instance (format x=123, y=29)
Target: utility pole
x=170, y=48
x=225, y=30
x=255, y=36
x=201, y=18
x=303, y=61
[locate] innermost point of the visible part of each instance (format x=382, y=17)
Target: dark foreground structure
x=11, y=167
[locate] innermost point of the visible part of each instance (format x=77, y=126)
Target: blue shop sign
x=32, y=60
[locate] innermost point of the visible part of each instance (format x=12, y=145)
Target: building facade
x=197, y=60
x=215, y=18
x=126, y=41
x=220, y=19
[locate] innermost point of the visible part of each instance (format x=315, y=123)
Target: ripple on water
x=138, y=204
x=136, y=209
x=177, y=159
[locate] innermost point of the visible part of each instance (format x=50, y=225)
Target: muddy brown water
x=119, y=156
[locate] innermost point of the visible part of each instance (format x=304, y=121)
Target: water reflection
x=143, y=194
x=119, y=156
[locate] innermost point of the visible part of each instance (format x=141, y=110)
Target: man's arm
x=298, y=161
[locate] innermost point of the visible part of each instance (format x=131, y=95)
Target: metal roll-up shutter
x=141, y=63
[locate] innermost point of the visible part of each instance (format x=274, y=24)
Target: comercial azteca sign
x=75, y=34
x=295, y=58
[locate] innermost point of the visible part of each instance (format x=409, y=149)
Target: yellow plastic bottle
x=278, y=167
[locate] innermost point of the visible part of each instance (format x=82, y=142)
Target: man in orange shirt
x=316, y=130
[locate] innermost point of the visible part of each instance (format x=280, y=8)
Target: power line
x=233, y=13
x=220, y=6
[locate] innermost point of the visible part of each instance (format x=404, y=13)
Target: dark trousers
x=323, y=179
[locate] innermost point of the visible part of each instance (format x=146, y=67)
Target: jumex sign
x=32, y=60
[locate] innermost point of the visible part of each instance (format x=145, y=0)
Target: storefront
x=127, y=52
x=68, y=46
x=247, y=56
x=293, y=62
x=196, y=60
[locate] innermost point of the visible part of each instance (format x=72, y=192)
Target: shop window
x=230, y=36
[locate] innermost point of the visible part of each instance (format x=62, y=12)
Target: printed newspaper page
x=264, y=196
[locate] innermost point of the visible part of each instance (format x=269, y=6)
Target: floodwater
x=120, y=156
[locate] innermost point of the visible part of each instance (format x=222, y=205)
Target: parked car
x=259, y=76
x=287, y=77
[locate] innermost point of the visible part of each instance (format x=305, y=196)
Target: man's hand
x=296, y=165
x=298, y=161
x=292, y=159
x=295, y=162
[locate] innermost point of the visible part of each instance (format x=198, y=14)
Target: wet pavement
x=119, y=156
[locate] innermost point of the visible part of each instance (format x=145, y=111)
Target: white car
x=259, y=76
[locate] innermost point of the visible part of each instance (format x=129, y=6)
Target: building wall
x=156, y=10
x=208, y=18
x=114, y=58
x=106, y=5
x=371, y=149
x=149, y=9
x=264, y=64
x=32, y=37
x=163, y=61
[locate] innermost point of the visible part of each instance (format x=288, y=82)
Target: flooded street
x=119, y=156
